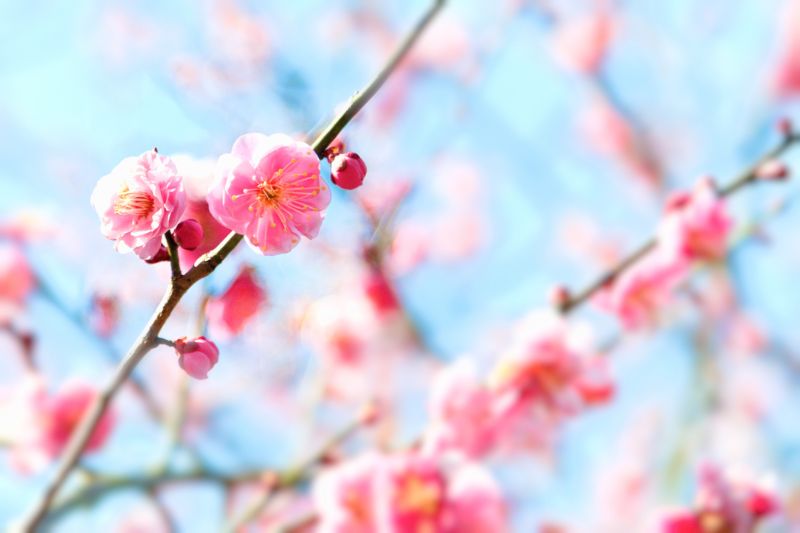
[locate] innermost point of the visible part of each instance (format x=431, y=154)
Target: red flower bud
x=773, y=170
x=785, y=127
x=348, y=170
x=188, y=234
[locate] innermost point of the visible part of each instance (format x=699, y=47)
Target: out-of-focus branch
x=747, y=177
x=106, y=347
x=279, y=481
x=182, y=283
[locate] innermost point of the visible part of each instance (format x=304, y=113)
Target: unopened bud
x=348, y=170
x=188, y=234
x=772, y=170
x=161, y=255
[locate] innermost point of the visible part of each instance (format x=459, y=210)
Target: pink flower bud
x=773, y=170
x=335, y=148
x=188, y=234
x=559, y=296
x=196, y=356
x=160, y=256
x=348, y=170
x=104, y=314
x=785, y=127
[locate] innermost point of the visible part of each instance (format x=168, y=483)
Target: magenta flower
x=231, y=311
x=348, y=170
x=696, y=225
x=269, y=189
x=196, y=356
x=139, y=201
x=344, y=495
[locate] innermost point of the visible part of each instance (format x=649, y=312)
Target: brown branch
x=747, y=177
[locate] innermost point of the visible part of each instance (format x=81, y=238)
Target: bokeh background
x=526, y=169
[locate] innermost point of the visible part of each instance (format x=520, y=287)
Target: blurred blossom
x=724, y=504
x=408, y=492
x=230, y=312
x=696, y=224
x=581, y=43
x=638, y=295
x=43, y=422
x=17, y=280
x=104, y=314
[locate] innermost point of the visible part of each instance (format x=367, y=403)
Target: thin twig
x=174, y=260
x=747, y=177
x=291, y=477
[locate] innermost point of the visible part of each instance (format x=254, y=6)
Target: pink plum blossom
x=548, y=365
x=407, y=492
x=196, y=356
x=269, y=189
x=140, y=200
x=231, y=311
x=344, y=495
x=462, y=414
x=582, y=43
x=16, y=280
x=638, y=295
x=723, y=504
x=48, y=420
x=696, y=224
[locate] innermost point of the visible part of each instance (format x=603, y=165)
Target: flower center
x=268, y=194
x=419, y=496
x=138, y=203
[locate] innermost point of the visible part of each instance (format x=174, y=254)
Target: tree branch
x=747, y=177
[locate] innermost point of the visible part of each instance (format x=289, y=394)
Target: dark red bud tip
x=348, y=171
x=559, y=296
x=188, y=234
x=773, y=170
x=785, y=127
x=161, y=255
x=335, y=148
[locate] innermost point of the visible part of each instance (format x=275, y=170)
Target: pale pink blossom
x=344, y=495
x=610, y=133
x=786, y=74
x=140, y=200
x=548, y=366
x=462, y=412
x=638, y=295
x=696, y=224
x=230, y=312
x=582, y=43
x=408, y=492
x=269, y=189
x=196, y=356
x=17, y=280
